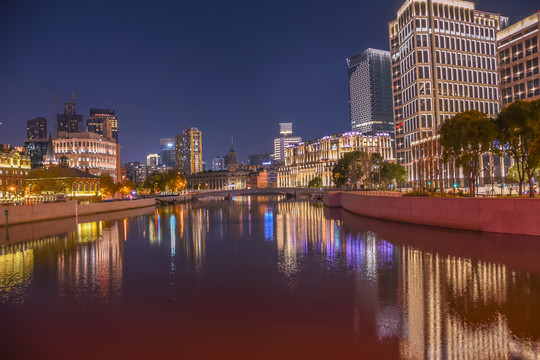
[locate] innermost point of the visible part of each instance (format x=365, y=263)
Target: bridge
x=228, y=194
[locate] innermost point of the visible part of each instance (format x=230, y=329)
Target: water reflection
x=446, y=306
x=425, y=293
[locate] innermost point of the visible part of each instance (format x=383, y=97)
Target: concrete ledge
x=508, y=216
x=114, y=206
x=20, y=214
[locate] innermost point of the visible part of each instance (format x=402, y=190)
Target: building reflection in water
x=93, y=268
x=435, y=306
x=16, y=268
x=88, y=263
x=460, y=308
x=187, y=227
x=438, y=305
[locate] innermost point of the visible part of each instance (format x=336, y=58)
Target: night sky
x=230, y=68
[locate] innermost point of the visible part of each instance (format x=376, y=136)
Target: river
x=264, y=278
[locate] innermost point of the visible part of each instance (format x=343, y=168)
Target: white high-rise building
x=285, y=139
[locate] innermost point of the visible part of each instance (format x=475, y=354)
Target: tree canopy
x=360, y=168
x=316, y=182
x=518, y=128
x=464, y=138
x=170, y=181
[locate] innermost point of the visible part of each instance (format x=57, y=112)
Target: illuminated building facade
x=90, y=152
x=189, y=151
x=36, y=128
x=518, y=60
x=69, y=121
x=444, y=61
x=317, y=158
x=14, y=167
x=285, y=139
x=257, y=180
x=63, y=180
x=218, y=180
x=153, y=160
x=103, y=122
x=370, y=92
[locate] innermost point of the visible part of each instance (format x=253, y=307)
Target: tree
x=465, y=137
x=316, y=182
x=519, y=136
x=392, y=173
x=127, y=187
x=351, y=169
x=107, y=185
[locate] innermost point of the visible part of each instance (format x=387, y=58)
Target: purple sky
x=230, y=68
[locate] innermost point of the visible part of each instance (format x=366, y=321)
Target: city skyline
x=230, y=70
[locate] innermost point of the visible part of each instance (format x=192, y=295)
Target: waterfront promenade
x=498, y=215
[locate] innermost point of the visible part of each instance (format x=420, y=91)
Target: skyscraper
x=443, y=62
x=103, y=122
x=189, y=151
x=370, y=92
x=168, y=152
x=69, y=121
x=36, y=128
x=285, y=139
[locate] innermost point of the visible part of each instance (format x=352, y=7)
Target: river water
x=264, y=278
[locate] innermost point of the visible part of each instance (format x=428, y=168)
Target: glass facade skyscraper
x=370, y=92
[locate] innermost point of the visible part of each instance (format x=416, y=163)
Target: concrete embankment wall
x=498, y=215
x=114, y=206
x=19, y=214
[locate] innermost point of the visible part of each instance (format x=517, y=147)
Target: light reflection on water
x=425, y=292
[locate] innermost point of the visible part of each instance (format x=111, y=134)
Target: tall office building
x=69, y=121
x=36, y=128
x=168, y=152
x=370, y=92
x=189, y=151
x=103, y=122
x=518, y=60
x=285, y=139
x=444, y=61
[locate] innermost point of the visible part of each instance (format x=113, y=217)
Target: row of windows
x=13, y=172
x=464, y=75
x=478, y=32
x=521, y=91
x=422, y=88
x=91, y=144
x=14, y=162
x=459, y=59
x=13, y=182
x=473, y=46
x=468, y=91
x=406, y=47
x=531, y=47
x=407, y=63
x=519, y=71
x=426, y=121
x=454, y=106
